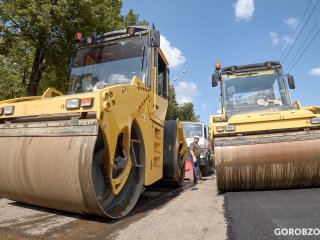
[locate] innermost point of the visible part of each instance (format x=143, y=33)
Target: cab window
x=161, y=75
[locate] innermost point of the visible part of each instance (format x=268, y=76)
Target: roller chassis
x=95, y=159
x=263, y=148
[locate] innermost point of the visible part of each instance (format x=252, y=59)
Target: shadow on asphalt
x=152, y=198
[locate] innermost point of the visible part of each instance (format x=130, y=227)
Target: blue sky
x=235, y=32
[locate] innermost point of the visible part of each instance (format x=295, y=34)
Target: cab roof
x=105, y=37
x=251, y=67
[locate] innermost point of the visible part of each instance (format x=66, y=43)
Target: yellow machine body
x=268, y=149
x=66, y=159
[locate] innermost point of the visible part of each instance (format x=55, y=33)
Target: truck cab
x=192, y=129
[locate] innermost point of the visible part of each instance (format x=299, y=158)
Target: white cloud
x=274, y=38
x=291, y=22
x=203, y=106
x=173, y=54
x=315, y=71
x=186, y=91
x=284, y=40
x=244, y=10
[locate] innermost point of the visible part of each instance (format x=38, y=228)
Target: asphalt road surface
x=161, y=213
x=265, y=214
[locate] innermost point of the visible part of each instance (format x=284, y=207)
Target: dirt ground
x=160, y=214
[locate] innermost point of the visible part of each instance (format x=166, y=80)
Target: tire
x=204, y=170
x=117, y=206
x=173, y=167
x=211, y=164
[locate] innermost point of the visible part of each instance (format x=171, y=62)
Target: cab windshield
x=255, y=92
x=110, y=64
x=192, y=129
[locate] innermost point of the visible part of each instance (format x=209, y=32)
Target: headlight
x=73, y=104
x=315, y=120
x=8, y=110
x=229, y=128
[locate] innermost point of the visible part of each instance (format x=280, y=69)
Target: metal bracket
x=7, y=124
x=239, y=135
x=74, y=121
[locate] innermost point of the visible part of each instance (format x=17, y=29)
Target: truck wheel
x=173, y=155
x=204, y=170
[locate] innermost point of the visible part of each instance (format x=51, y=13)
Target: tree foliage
x=183, y=111
x=37, y=43
x=37, y=39
x=132, y=19
x=172, y=112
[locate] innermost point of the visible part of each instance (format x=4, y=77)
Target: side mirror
x=291, y=83
x=215, y=79
x=155, y=39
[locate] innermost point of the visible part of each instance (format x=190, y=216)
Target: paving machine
x=94, y=150
x=261, y=139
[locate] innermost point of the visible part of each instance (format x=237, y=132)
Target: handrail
x=49, y=91
x=137, y=81
x=46, y=94
x=297, y=104
x=154, y=69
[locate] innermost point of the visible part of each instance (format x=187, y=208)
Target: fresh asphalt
x=263, y=214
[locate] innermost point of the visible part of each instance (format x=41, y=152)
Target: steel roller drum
x=272, y=162
x=61, y=165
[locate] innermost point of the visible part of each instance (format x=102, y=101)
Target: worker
x=195, y=152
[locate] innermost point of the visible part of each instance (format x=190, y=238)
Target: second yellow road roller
x=263, y=140
x=94, y=150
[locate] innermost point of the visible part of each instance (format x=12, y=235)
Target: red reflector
x=78, y=36
x=220, y=128
x=86, y=102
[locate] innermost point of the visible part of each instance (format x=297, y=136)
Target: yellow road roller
x=263, y=140
x=93, y=150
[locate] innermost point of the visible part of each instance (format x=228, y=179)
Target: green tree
x=11, y=86
x=14, y=72
x=172, y=112
x=132, y=19
x=183, y=111
x=46, y=28
x=187, y=113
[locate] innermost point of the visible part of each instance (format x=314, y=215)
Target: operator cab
x=253, y=88
x=115, y=58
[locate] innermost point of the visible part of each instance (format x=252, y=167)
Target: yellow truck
x=94, y=150
x=261, y=139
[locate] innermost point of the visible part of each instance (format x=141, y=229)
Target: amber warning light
x=218, y=65
x=78, y=36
